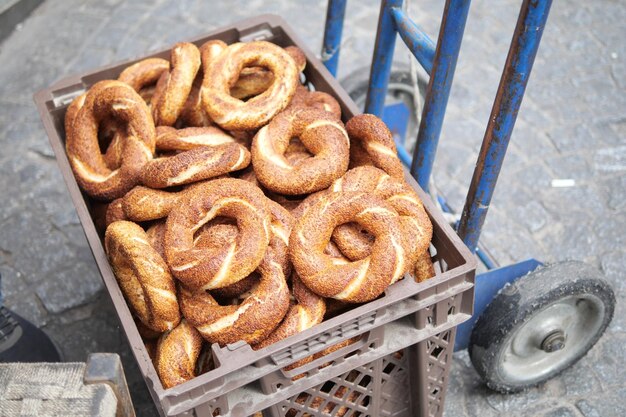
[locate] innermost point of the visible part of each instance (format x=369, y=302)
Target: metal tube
x=382, y=58
x=403, y=154
x=444, y=64
x=333, y=29
x=418, y=42
x=485, y=256
x=519, y=62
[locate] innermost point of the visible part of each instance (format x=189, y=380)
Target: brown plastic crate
x=384, y=387
x=246, y=381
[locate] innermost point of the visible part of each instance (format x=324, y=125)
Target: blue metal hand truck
x=531, y=321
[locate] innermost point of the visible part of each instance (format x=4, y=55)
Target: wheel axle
x=553, y=342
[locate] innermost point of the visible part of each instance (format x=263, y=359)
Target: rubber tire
x=516, y=303
x=357, y=83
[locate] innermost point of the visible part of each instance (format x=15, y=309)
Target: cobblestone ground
x=572, y=126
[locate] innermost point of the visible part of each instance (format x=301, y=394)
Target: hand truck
x=531, y=321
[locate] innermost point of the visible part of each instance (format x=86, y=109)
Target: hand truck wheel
x=541, y=324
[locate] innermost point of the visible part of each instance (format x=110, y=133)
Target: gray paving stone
x=28, y=306
x=614, y=268
x=579, y=380
x=539, y=408
x=610, y=134
x=31, y=251
x=618, y=69
x=78, y=340
x=78, y=284
x=609, y=359
x=534, y=177
x=610, y=231
x=586, y=409
x=456, y=157
x=571, y=138
x=13, y=284
x=609, y=404
x=91, y=58
x=617, y=191
x=569, y=167
x=455, y=406
x=618, y=324
x=610, y=159
x=563, y=202
x=561, y=412
x=513, y=402
x=109, y=36
x=53, y=203
x=572, y=239
x=533, y=216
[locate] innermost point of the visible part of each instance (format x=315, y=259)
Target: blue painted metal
x=484, y=258
x=418, y=42
x=396, y=116
x=483, y=254
x=530, y=24
x=403, y=154
x=382, y=58
x=335, y=14
x=487, y=286
x=444, y=64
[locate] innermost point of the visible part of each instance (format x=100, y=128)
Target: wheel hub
x=553, y=342
x=551, y=337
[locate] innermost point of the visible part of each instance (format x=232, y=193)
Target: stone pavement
x=572, y=126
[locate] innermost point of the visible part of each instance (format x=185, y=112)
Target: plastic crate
x=246, y=381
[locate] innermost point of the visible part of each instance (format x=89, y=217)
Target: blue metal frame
x=487, y=286
x=526, y=38
x=382, y=58
x=335, y=14
x=415, y=39
x=444, y=65
x=440, y=62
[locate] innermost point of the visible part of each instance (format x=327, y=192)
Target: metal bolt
x=553, y=342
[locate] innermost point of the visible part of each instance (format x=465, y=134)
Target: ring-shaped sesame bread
x=251, y=321
x=357, y=281
x=202, y=269
x=308, y=311
x=170, y=139
x=109, y=130
x=177, y=354
x=264, y=304
x=174, y=86
x=219, y=232
x=143, y=276
x=109, y=100
x=222, y=74
x=424, y=268
x=323, y=136
x=315, y=99
x=144, y=73
x=114, y=212
x=253, y=81
x=371, y=143
x=197, y=164
x=143, y=204
x=415, y=223
x=193, y=113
